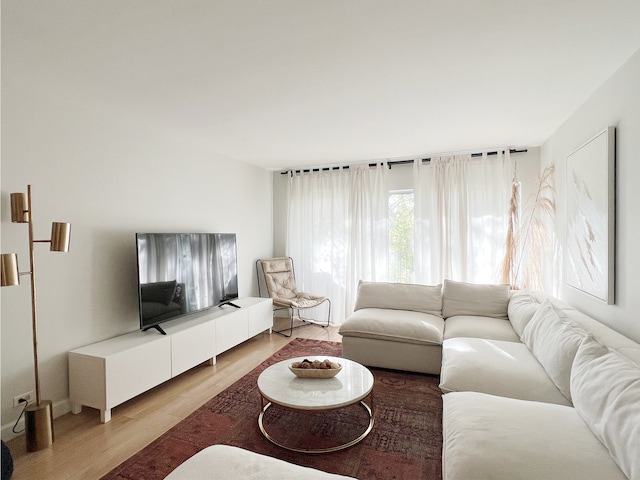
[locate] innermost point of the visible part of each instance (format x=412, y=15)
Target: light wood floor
x=86, y=449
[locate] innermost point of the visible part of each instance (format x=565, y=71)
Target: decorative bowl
x=315, y=372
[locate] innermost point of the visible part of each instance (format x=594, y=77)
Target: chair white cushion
x=554, y=342
x=394, y=325
x=275, y=265
x=460, y=298
x=300, y=300
x=480, y=327
x=606, y=394
x=489, y=437
x=223, y=462
x=400, y=296
x=496, y=367
x=281, y=285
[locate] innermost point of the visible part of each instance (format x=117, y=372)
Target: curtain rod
x=393, y=162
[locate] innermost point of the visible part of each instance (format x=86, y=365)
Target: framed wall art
x=590, y=197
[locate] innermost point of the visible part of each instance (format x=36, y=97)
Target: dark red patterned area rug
x=405, y=443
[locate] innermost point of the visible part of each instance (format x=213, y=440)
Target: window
x=401, y=236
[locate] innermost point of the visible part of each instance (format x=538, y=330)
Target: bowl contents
x=325, y=364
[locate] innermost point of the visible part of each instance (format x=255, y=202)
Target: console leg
x=76, y=408
x=105, y=415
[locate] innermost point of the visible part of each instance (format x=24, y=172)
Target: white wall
x=616, y=103
x=110, y=177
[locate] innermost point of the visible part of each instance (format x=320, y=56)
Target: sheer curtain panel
x=461, y=217
x=337, y=232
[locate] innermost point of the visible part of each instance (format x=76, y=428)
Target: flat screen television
x=183, y=273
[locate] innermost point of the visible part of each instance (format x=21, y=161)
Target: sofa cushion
x=489, y=437
x=394, y=325
x=522, y=307
x=496, y=367
x=460, y=298
x=554, y=342
x=479, y=327
x=603, y=334
x=222, y=462
x=606, y=394
x=400, y=296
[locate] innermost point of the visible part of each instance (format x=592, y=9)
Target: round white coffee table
x=278, y=385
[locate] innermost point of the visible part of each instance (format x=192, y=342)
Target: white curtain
x=460, y=217
x=337, y=232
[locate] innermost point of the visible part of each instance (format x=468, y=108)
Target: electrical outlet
x=28, y=396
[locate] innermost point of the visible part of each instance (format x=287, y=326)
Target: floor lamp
x=38, y=416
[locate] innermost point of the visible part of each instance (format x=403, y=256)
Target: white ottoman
x=225, y=462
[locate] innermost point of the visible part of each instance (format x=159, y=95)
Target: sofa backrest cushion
x=606, y=388
x=522, y=306
x=603, y=334
x=400, y=296
x=554, y=342
x=483, y=300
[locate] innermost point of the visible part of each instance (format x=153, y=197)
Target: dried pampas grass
x=526, y=242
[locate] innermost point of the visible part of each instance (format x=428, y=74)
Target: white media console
x=105, y=374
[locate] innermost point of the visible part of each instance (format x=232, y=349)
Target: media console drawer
x=192, y=345
x=105, y=374
x=231, y=329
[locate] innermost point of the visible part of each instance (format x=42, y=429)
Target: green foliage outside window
x=401, y=237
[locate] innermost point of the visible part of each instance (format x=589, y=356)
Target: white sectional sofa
x=533, y=389
x=402, y=326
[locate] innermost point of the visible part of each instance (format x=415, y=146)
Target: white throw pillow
x=554, y=342
x=606, y=392
x=483, y=300
x=400, y=296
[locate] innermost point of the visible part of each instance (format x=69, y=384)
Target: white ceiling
x=283, y=83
